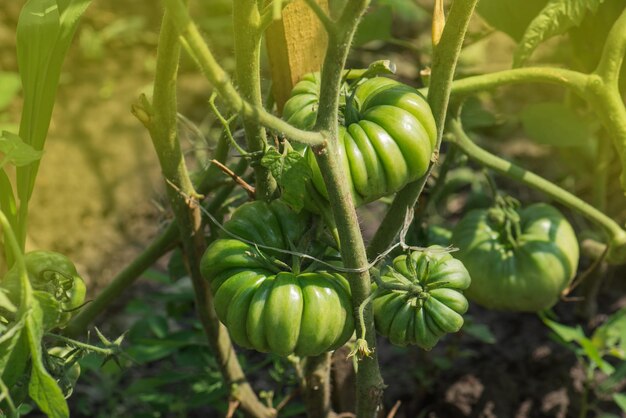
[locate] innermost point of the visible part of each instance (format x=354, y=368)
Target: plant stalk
x=161, y=123
x=317, y=386
x=247, y=21
x=369, y=381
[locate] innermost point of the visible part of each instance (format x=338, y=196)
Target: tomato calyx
x=506, y=219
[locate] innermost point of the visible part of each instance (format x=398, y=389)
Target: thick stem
x=616, y=234
x=369, y=381
x=613, y=53
x=317, y=390
x=571, y=79
x=609, y=107
x=221, y=82
x=247, y=20
x=444, y=64
x=161, y=123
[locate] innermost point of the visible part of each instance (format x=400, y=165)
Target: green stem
x=161, y=123
x=613, y=53
x=444, y=64
x=221, y=82
x=571, y=79
x=84, y=346
x=247, y=21
x=369, y=381
x=317, y=386
x=324, y=19
x=614, y=231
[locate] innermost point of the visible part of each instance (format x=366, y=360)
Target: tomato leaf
x=611, y=336
x=16, y=151
x=5, y=302
x=556, y=18
x=565, y=333
x=555, y=124
x=42, y=388
x=292, y=173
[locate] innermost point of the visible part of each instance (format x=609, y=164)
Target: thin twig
x=392, y=413
x=233, y=404
x=248, y=188
x=287, y=399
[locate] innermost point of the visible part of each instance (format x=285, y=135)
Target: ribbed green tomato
x=54, y=274
x=432, y=307
x=387, y=134
x=517, y=266
x=263, y=307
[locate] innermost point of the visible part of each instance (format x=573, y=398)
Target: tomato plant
x=330, y=133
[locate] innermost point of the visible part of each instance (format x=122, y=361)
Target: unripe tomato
x=518, y=264
x=264, y=305
x=432, y=308
x=387, y=134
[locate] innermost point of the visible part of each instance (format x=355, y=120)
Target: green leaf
x=614, y=380
x=12, y=362
x=10, y=85
x=42, y=388
x=44, y=32
x=375, y=26
x=292, y=173
x=592, y=353
x=8, y=206
x=555, y=124
x=556, y=18
x=565, y=333
x=620, y=400
x=510, y=16
x=611, y=336
x=5, y=302
x=16, y=151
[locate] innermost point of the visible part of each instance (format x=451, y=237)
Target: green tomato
x=386, y=138
x=264, y=305
x=432, y=307
x=56, y=284
x=522, y=265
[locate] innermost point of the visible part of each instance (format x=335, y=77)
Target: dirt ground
x=98, y=196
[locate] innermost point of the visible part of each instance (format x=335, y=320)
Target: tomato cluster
x=518, y=259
